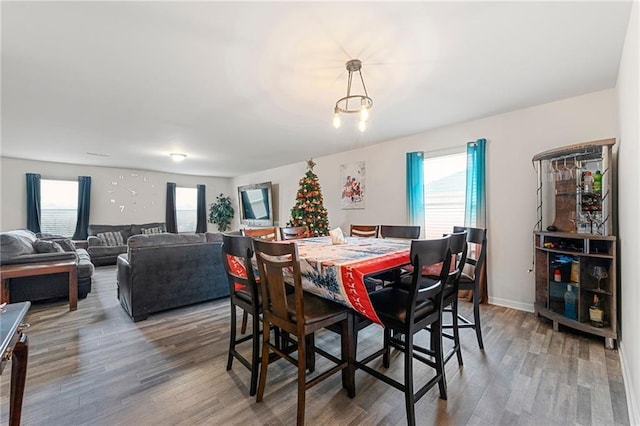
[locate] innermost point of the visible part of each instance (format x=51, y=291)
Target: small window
x=444, y=193
x=186, y=209
x=58, y=206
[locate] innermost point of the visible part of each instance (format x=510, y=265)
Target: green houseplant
x=221, y=212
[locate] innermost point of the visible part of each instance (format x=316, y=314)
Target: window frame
x=43, y=225
x=180, y=189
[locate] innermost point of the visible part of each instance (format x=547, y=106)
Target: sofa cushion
x=85, y=267
x=47, y=246
x=154, y=230
x=111, y=238
x=16, y=243
x=137, y=229
x=164, y=239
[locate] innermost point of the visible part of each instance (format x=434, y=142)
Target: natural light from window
x=186, y=209
x=58, y=206
x=444, y=193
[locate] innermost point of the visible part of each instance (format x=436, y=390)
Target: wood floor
x=94, y=366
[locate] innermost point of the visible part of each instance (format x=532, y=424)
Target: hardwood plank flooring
x=95, y=366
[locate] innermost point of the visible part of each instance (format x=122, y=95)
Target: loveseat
x=23, y=247
x=165, y=271
x=106, y=242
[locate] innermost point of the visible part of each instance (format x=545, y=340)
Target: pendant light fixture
x=353, y=103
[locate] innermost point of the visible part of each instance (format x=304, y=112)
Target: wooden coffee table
x=41, y=268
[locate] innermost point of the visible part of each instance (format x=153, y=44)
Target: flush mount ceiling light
x=353, y=103
x=177, y=157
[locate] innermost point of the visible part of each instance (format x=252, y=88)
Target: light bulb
x=362, y=126
x=336, y=120
x=364, y=110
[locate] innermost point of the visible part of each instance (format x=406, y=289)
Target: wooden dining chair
x=366, y=231
x=300, y=314
x=294, y=233
x=409, y=232
x=237, y=252
x=267, y=234
x=407, y=312
x=473, y=276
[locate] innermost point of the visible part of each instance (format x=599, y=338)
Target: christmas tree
x=308, y=210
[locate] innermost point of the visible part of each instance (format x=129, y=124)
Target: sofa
x=23, y=247
x=106, y=242
x=165, y=271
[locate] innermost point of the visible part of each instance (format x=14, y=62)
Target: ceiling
x=241, y=87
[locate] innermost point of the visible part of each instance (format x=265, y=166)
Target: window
x=186, y=209
x=58, y=206
x=444, y=193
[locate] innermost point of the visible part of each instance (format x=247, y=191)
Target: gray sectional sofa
x=23, y=247
x=106, y=253
x=165, y=271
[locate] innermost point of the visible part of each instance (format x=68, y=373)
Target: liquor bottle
x=570, y=304
x=557, y=277
x=596, y=313
x=587, y=182
x=597, y=183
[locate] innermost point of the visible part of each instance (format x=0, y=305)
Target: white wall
x=118, y=196
x=628, y=91
x=513, y=139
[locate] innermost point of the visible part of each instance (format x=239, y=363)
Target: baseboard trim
x=634, y=414
x=507, y=303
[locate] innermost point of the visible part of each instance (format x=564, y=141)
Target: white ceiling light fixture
x=177, y=157
x=354, y=103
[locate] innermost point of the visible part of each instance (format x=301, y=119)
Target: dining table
x=338, y=271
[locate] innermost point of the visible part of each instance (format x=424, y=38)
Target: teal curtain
x=201, y=224
x=415, y=189
x=475, y=206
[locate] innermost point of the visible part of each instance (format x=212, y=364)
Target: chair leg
x=232, y=337
x=409, y=396
x=436, y=338
x=255, y=354
x=245, y=317
x=310, y=352
x=266, y=332
x=456, y=330
x=349, y=338
x=302, y=379
x=476, y=318
x=386, y=356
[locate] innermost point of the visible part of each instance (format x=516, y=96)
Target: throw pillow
x=111, y=238
x=45, y=246
x=66, y=244
x=154, y=230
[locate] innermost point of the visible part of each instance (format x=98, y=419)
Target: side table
x=14, y=345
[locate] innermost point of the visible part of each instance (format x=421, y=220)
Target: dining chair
x=409, y=232
x=267, y=234
x=366, y=231
x=406, y=313
x=294, y=233
x=473, y=276
x=300, y=314
x=237, y=252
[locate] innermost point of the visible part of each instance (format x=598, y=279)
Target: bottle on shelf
x=597, y=183
x=596, y=313
x=587, y=182
x=570, y=310
x=557, y=277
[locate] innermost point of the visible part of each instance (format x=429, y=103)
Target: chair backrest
x=294, y=233
x=476, y=254
x=237, y=252
x=367, y=231
x=267, y=234
x=396, y=231
x=458, y=247
x=424, y=253
x=275, y=259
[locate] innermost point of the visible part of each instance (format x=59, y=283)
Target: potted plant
x=221, y=212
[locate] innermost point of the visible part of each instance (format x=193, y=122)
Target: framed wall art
x=352, y=179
